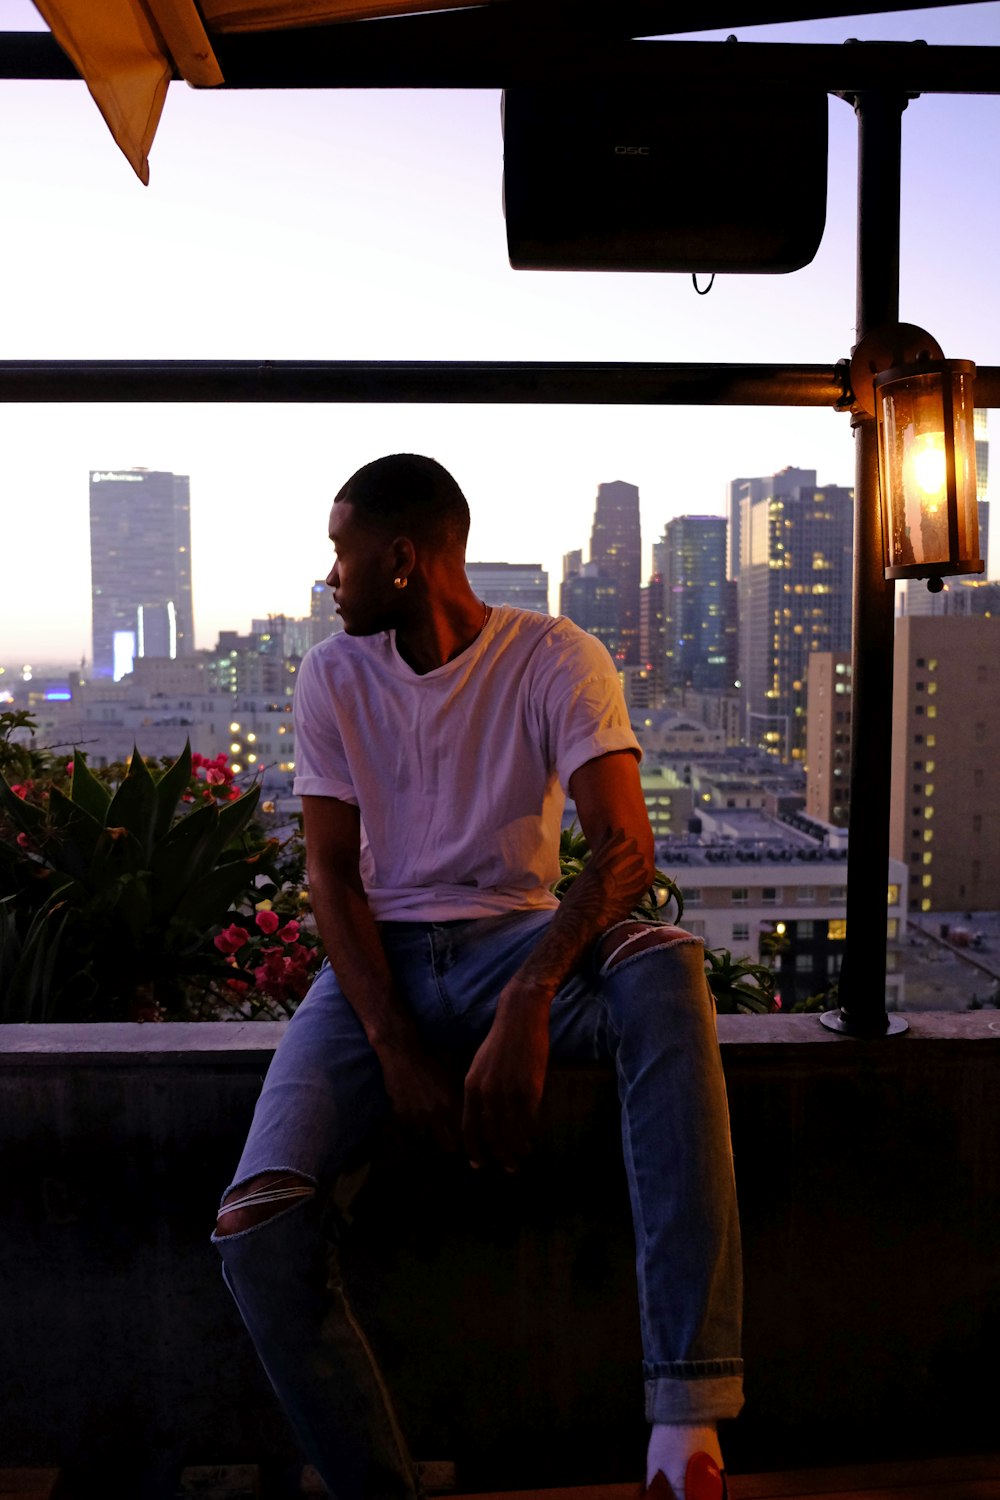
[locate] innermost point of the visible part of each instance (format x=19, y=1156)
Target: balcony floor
x=932, y=1479
x=966, y=1478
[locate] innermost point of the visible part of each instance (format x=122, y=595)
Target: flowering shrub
x=114, y=884
x=211, y=780
x=280, y=953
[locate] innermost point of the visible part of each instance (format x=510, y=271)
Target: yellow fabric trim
x=124, y=50
x=187, y=41
x=127, y=51
x=274, y=15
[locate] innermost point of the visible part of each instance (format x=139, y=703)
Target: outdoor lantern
x=927, y=470
x=926, y=452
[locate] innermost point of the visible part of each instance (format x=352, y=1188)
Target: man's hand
x=503, y=1088
x=421, y=1093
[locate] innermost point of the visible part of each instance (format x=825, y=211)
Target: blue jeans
x=651, y=1015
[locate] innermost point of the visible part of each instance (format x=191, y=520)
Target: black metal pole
x=607, y=383
x=862, y=979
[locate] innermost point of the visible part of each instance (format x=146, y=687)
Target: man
x=435, y=739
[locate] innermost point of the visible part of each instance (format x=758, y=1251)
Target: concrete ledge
x=170, y=1042
x=503, y=1310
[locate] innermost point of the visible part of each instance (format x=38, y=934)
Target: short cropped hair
x=409, y=495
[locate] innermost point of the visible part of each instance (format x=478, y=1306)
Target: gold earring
x=400, y=583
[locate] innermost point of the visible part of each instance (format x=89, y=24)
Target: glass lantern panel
x=965, y=466
x=915, y=470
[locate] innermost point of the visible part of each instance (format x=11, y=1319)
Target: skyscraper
x=140, y=567
x=692, y=557
x=743, y=492
x=945, y=808
x=616, y=550
x=828, y=737
x=525, y=585
x=590, y=599
x=795, y=587
x=323, y=617
x=652, y=650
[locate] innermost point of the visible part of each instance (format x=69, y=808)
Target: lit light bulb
x=928, y=467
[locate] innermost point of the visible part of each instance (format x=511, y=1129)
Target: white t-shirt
x=460, y=773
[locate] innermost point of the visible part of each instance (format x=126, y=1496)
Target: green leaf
x=86, y=791
x=169, y=789
x=133, y=909
x=234, y=817
x=79, y=832
x=181, y=856
x=134, y=804
x=27, y=993
x=208, y=900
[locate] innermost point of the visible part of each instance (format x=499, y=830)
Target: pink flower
x=69, y=768
x=268, y=922
x=215, y=777
x=290, y=932
x=232, y=939
x=22, y=840
x=220, y=759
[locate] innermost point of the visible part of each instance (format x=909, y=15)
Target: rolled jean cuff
x=712, y=1392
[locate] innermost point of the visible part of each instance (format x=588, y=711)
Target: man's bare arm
x=416, y=1085
x=613, y=818
x=504, y=1086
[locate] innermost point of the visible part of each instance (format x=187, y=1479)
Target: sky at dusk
x=368, y=225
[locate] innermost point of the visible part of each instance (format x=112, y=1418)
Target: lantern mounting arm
x=886, y=348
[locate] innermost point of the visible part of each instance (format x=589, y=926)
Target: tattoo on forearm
x=613, y=878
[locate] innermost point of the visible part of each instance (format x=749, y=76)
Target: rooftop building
x=525, y=585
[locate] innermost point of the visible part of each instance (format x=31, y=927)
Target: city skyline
x=367, y=225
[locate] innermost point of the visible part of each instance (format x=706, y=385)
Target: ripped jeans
x=650, y=1013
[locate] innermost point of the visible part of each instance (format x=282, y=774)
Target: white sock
x=671, y=1444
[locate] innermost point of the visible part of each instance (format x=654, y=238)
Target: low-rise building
x=775, y=889
x=107, y=720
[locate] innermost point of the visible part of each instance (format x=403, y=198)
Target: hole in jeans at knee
x=261, y=1198
x=634, y=937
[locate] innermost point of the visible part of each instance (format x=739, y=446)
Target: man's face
x=362, y=573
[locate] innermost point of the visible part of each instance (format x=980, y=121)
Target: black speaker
x=642, y=177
